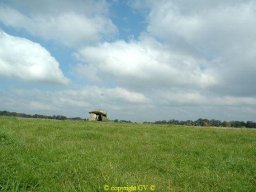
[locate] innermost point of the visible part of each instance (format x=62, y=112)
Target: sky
x=141, y=60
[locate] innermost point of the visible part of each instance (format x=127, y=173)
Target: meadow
x=54, y=155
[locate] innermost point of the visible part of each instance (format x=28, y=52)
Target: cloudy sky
x=141, y=60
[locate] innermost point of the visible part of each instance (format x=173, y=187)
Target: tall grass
x=48, y=155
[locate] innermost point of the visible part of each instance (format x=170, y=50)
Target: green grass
x=48, y=155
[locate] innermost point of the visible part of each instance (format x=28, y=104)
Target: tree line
x=207, y=122
x=23, y=115
x=198, y=122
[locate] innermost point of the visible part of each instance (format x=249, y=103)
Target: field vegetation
x=68, y=155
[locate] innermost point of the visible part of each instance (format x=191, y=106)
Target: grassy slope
x=45, y=155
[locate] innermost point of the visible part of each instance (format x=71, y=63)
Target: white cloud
x=34, y=105
x=193, y=98
x=222, y=33
x=126, y=95
x=208, y=27
x=112, y=95
x=143, y=63
x=71, y=27
x=26, y=60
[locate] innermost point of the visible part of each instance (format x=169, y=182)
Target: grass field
x=48, y=155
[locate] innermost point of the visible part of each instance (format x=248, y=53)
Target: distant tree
x=251, y=124
x=125, y=121
x=215, y=123
x=189, y=122
x=199, y=122
x=237, y=124
x=76, y=118
x=226, y=124
x=172, y=121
